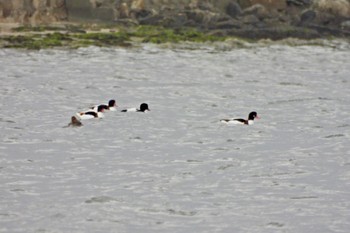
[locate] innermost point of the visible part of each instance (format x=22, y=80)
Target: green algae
x=39, y=38
x=45, y=28
x=158, y=35
x=26, y=28
x=104, y=39
x=37, y=41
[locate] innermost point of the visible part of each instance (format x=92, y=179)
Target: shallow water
x=176, y=168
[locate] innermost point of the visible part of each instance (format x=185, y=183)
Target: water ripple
x=176, y=168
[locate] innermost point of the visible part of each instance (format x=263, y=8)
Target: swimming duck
x=143, y=108
x=112, y=106
x=75, y=122
x=91, y=113
x=249, y=121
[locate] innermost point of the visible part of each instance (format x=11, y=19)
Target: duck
x=249, y=121
x=74, y=122
x=143, y=108
x=111, y=106
x=90, y=114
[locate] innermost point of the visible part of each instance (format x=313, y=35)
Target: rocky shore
x=250, y=19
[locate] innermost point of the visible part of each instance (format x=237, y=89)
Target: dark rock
x=253, y=10
x=299, y=2
x=329, y=30
x=126, y=22
x=250, y=19
x=275, y=33
x=345, y=25
x=195, y=16
x=229, y=24
x=205, y=5
x=271, y=5
x=139, y=14
x=307, y=17
x=175, y=21
x=205, y=19
x=178, y=21
x=233, y=9
x=151, y=20
x=325, y=19
x=167, y=19
x=258, y=10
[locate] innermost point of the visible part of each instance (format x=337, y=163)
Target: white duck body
x=143, y=108
x=111, y=106
x=240, y=121
x=90, y=114
x=130, y=110
x=233, y=121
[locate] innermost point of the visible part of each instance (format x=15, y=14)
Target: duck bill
x=257, y=117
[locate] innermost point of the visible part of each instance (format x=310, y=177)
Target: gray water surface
x=176, y=168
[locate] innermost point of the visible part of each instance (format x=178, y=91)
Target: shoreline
x=74, y=35
x=78, y=23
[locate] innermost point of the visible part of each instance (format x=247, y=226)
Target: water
x=176, y=168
